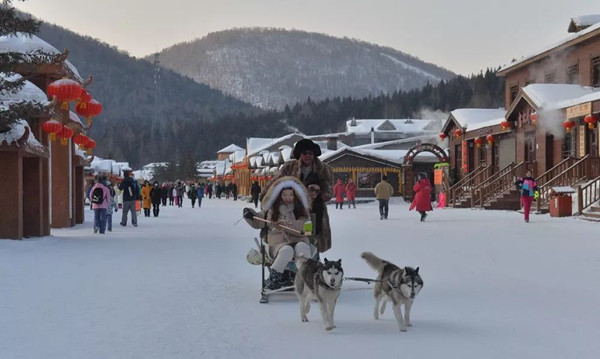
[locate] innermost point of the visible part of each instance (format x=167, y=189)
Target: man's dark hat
x=306, y=145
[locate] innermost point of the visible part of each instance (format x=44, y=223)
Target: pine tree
x=12, y=23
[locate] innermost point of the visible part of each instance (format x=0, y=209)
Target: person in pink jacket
x=422, y=199
x=100, y=197
x=338, y=192
x=351, y=192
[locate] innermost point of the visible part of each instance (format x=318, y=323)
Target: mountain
x=126, y=129
x=271, y=68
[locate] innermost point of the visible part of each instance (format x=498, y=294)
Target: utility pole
x=156, y=90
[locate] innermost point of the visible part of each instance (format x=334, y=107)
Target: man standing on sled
x=306, y=167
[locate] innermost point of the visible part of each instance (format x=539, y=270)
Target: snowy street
x=179, y=286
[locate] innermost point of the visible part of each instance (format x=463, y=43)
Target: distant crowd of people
x=105, y=197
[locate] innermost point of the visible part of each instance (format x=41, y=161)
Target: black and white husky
x=395, y=284
x=321, y=281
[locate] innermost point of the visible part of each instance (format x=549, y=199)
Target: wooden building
x=552, y=103
x=51, y=180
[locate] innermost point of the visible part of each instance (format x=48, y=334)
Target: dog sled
x=260, y=256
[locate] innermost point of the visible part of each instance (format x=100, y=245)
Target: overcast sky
x=464, y=36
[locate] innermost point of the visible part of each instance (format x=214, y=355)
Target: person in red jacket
x=351, y=192
x=422, y=199
x=338, y=192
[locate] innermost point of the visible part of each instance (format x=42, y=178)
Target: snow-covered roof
x=373, y=146
x=363, y=126
x=30, y=44
x=29, y=92
x=550, y=95
x=562, y=44
x=583, y=21
x=231, y=148
x=396, y=156
x=20, y=135
x=256, y=145
x=73, y=117
x=469, y=117
x=237, y=156
x=493, y=122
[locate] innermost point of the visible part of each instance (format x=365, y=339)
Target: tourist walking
x=100, y=197
x=112, y=206
x=192, y=194
x=146, y=200
x=528, y=187
x=130, y=190
x=171, y=194
x=422, y=198
x=156, y=198
x=338, y=192
x=383, y=192
x=200, y=191
x=255, y=192
x=351, y=193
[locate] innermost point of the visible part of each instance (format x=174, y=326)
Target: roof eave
x=546, y=53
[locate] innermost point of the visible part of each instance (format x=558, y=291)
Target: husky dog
x=321, y=281
x=395, y=284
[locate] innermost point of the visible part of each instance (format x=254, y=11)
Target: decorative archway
x=407, y=167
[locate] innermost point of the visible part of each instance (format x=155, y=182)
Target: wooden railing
x=462, y=188
x=493, y=187
x=588, y=195
x=586, y=167
x=555, y=171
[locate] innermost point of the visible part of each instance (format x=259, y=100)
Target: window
x=550, y=78
x=596, y=71
x=573, y=74
x=569, y=145
x=482, y=154
x=513, y=93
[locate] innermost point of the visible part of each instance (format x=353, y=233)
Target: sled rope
x=359, y=279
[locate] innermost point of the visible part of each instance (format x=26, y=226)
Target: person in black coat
x=255, y=192
x=155, y=198
x=164, y=194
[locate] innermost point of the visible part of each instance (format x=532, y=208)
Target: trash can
x=561, y=202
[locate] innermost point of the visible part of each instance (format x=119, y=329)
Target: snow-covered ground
x=178, y=286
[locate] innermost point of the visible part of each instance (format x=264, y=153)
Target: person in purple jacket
x=528, y=187
x=100, y=197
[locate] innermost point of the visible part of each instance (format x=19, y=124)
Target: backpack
x=97, y=196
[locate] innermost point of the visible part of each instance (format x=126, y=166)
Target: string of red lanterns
x=505, y=125
x=479, y=141
x=65, y=134
x=52, y=127
x=568, y=125
x=490, y=139
x=591, y=120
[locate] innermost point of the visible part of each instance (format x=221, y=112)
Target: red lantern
x=568, y=125
x=505, y=125
x=591, y=120
x=85, y=96
x=52, y=127
x=489, y=139
x=64, y=90
x=90, y=146
x=81, y=140
x=458, y=132
x=443, y=136
x=479, y=141
x=88, y=109
x=534, y=118
x=65, y=134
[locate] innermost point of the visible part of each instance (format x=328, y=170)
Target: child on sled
x=285, y=209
